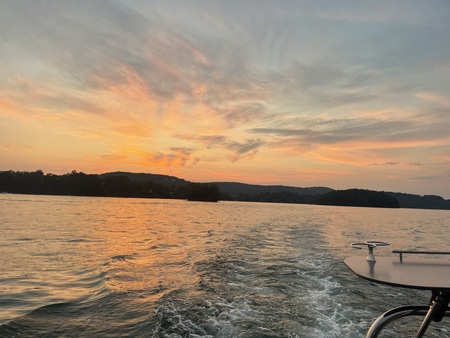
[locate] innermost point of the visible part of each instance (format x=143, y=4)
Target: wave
x=114, y=314
x=22, y=295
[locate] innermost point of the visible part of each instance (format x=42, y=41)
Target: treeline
x=74, y=183
x=276, y=197
x=350, y=197
x=359, y=198
x=123, y=184
x=420, y=202
x=81, y=184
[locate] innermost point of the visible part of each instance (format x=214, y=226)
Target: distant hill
x=143, y=185
x=237, y=190
x=143, y=177
x=283, y=194
x=420, y=202
x=233, y=189
x=359, y=198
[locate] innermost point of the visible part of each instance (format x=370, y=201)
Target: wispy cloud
x=237, y=150
x=442, y=100
x=178, y=157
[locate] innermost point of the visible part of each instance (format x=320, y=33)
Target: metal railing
x=418, y=252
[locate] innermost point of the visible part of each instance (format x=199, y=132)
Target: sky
x=342, y=94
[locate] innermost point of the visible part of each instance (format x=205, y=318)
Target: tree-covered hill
x=242, y=191
x=142, y=185
x=420, y=202
x=144, y=177
x=359, y=198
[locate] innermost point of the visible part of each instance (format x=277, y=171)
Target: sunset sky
x=343, y=94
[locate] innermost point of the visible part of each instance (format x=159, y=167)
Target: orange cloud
x=15, y=148
x=318, y=174
x=381, y=144
x=358, y=158
x=444, y=159
x=20, y=82
x=133, y=130
x=8, y=106
x=435, y=98
x=124, y=85
x=179, y=157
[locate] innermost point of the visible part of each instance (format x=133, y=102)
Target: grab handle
x=370, y=245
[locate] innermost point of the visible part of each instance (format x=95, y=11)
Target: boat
x=422, y=270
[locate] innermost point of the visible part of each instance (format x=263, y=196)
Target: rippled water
x=105, y=267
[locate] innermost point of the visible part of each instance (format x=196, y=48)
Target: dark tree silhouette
x=208, y=192
x=118, y=186
x=359, y=198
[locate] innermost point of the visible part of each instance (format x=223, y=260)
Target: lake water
x=109, y=267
